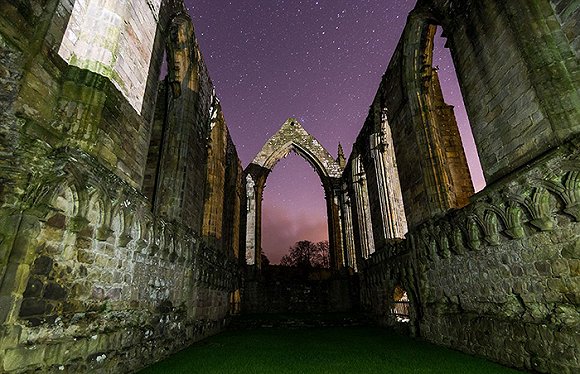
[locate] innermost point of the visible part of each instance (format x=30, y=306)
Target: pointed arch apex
x=293, y=137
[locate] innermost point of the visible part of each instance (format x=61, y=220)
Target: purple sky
x=319, y=61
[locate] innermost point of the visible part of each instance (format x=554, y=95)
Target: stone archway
x=293, y=137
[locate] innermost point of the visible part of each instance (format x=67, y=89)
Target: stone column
x=367, y=245
x=348, y=232
x=394, y=223
x=335, y=232
x=251, y=218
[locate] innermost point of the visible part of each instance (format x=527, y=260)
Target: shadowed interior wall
x=494, y=274
x=103, y=262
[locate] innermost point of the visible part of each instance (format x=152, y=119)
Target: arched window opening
x=294, y=211
x=295, y=254
x=400, y=305
x=448, y=95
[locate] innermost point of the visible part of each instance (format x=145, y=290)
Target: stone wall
x=516, y=65
x=566, y=12
x=498, y=278
x=95, y=282
x=66, y=105
x=106, y=262
x=284, y=289
x=101, y=35
x=190, y=102
x=495, y=274
x=223, y=190
x=422, y=137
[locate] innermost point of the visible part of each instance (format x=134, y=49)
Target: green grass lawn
x=320, y=350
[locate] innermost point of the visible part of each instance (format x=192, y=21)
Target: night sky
x=319, y=61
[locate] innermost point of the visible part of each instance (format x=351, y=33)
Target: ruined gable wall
x=91, y=278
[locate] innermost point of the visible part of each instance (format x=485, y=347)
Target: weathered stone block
x=572, y=251
x=85, y=256
x=57, y=221
x=560, y=267
x=33, y=307
x=54, y=291
x=574, y=267
x=34, y=288
x=42, y=265
x=543, y=268
x=23, y=357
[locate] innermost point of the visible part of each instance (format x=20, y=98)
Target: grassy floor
x=320, y=350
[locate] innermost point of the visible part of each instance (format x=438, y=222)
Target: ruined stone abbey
x=129, y=228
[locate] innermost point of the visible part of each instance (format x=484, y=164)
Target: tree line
x=305, y=254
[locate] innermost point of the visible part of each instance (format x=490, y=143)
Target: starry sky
x=320, y=61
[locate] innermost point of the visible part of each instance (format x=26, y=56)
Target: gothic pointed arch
x=292, y=137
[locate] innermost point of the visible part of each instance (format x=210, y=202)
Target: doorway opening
x=400, y=305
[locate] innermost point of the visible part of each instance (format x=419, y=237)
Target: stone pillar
x=215, y=186
x=251, y=220
x=367, y=246
x=348, y=232
x=335, y=231
x=394, y=223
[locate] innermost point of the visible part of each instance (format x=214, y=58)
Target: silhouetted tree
x=265, y=260
x=305, y=254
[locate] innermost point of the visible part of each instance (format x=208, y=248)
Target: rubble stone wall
x=98, y=273
x=498, y=278
x=494, y=274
